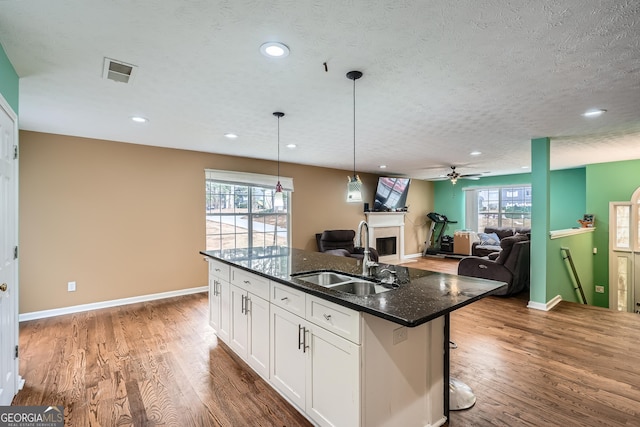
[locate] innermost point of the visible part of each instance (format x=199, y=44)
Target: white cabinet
x=249, y=314
x=219, y=299
x=317, y=370
x=333, y=379
x=338, y=366
x=288, y=358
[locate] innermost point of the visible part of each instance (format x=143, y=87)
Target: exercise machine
x=437, y=242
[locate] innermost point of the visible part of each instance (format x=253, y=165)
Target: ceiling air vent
x=118, y=71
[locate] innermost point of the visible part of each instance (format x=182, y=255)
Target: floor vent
x=118, y=71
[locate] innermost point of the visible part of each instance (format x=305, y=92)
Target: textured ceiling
x=441, y=78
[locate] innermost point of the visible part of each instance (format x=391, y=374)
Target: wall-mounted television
x=391, y=194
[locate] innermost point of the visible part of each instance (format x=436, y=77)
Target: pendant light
x=354, y=186
x=278, y=197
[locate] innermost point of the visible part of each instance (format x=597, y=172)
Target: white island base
x=337, y=366
x=402, y=382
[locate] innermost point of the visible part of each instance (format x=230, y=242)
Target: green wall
x=560, y=279
x=8, y=81
x=568, y=196
x=607, y=182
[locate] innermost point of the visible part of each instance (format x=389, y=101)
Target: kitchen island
x=341, y=358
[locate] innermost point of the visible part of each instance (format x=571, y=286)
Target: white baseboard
x=105, y=304
x=545, y=307
x=416, y=255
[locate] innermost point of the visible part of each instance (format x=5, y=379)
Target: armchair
x=511, y=265
x=340, y=242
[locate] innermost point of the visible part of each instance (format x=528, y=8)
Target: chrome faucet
x=391, y=278
x=367, y=263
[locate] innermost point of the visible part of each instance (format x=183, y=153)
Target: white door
x=624, y=254
x=288, y=359
x=258, y=350
x=333, y=379
x=239, y=328
x=224, y=294
x=8, y=253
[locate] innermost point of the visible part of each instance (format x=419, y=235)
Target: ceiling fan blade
x=470, y=175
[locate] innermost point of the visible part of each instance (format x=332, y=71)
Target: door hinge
x=15, y=252
x=15, y=152
x=16, y=356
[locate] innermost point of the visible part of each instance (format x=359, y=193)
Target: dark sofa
x=484, y=247
x=511, y=266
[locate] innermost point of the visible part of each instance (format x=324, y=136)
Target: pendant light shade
x=278, y=197
x=354, y=186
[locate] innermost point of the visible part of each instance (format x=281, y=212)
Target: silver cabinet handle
x=247, y=301
x=216, y=292
x=247, y=282
x=284, y=299
x=300, y=329
x=327, y=317
x=242, y=305
x=304, y=340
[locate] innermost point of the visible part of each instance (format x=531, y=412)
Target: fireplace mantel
x=386, y=224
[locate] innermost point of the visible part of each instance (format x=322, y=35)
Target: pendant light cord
x=354, y=128
x=278, y=148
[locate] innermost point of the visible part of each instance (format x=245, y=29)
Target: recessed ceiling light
x=230, y=135
x=475, y=153
x=139, y=119
x=594, y=113
x=274, y=50
x=292, y=146
x=382, y=166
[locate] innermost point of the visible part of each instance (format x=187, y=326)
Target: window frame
x=254, y=183
x=472, y=211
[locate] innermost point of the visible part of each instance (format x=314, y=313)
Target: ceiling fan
x=453, y=176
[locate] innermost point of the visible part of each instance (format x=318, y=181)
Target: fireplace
x=386, y=234
x=386, y=245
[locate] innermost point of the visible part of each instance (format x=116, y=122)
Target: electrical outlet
x=399, y=335
x=71, y=286
x=600, y=289
x=595, y=251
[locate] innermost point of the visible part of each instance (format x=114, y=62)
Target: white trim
x=257, y=179
x=484, y=187
x=106, y=304
x=416, y=255
x=545, y=307
x=556, y=234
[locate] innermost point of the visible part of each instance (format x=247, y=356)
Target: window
x=240, y=211
x=498, y=207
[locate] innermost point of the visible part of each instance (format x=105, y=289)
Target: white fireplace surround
x=387, y=224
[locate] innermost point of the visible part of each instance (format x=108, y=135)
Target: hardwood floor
x=147, y=364
x=442, y=265
x=159, y=363
x=575, y=365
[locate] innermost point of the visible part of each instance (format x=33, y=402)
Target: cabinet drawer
x=253, y=283
x=219, y=269
x=333, y=317
x=289, y=298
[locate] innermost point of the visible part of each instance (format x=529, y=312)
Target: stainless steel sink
x=324, y=278
x=342, y=282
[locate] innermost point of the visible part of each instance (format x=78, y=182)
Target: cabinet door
x=258, y=349
x=214, y=304
x=287, y=364
x=224, y=296
x=333, y=380
x=238, y=329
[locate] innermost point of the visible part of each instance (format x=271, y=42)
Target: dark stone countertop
x=422, y=295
